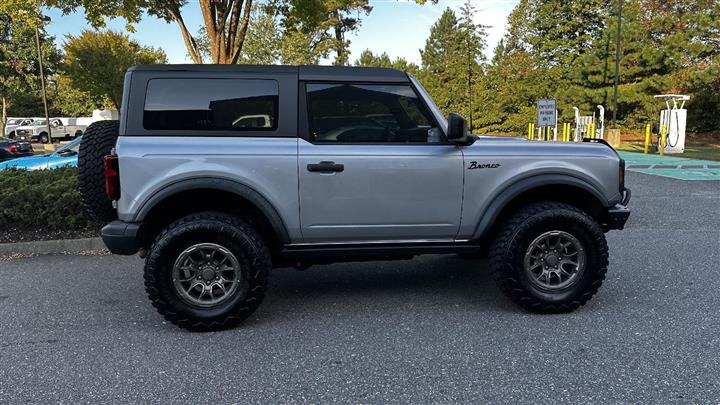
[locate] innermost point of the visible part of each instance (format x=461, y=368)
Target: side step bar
x=325, y=254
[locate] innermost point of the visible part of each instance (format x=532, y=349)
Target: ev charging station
x=588, y=126
x=672, y=121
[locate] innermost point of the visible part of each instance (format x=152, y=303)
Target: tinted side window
x=211, y=105
x=368, y=113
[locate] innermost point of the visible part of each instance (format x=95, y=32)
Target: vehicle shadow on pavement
x=433, y=283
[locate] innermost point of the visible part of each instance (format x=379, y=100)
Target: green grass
x=691, y=152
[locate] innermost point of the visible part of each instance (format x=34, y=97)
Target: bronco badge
x=476, y=165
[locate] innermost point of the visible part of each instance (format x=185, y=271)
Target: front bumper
x=121, y=238
x=618, y=215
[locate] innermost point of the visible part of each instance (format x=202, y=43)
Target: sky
x=398, y=27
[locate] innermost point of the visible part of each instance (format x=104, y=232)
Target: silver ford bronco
x=217, y=174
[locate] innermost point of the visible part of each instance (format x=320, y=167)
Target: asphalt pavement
x=79, y=329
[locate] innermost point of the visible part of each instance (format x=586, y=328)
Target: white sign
x=546, y=110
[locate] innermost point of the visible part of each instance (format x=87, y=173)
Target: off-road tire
x=232, y=233
x=507, y=253
x=98, y=140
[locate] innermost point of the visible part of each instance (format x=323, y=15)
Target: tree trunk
x=3, y=119
x=340, y=59
x=226, y=23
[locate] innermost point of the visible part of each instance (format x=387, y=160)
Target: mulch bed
x=29, y=235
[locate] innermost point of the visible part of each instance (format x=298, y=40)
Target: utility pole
x=617, y=62
x=42, y=77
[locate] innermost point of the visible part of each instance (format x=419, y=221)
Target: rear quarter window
x=211, y=105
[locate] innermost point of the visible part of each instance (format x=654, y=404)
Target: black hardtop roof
x=317, y=73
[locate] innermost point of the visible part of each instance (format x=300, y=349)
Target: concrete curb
x=53, y=246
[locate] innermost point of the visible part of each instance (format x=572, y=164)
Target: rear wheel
x=98, y=141
x=549, y=257
x=207, y=271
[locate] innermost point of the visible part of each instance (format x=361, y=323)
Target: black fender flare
x=220, y=184
x=500, y=200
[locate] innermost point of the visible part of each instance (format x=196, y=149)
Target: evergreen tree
x=452, y=62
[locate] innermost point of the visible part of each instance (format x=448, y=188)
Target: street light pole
x=617, y=62
x=42, y=78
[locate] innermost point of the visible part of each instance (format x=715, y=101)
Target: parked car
x=13, y=123
x=64, y=156
x=12, y=149
x=358, y=164
x=38, y=130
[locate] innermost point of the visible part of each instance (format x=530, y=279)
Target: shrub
x=46, y=200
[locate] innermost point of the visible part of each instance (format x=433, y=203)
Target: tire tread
x=504, y=246
x=258, y=279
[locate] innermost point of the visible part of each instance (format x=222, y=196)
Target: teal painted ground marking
x=671, y=166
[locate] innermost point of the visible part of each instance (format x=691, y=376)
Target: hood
x=508, y=146
x=27, y=127
x=502, y=138
x=40, y=162
x=27, y=163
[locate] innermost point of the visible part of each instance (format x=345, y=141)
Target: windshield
x=73, y=146
x=14, y=122
x=429, y=101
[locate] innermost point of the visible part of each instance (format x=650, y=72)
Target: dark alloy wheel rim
x=206, y=275
x=554, y=260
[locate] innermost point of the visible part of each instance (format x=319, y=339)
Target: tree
x=269, y=42
x=452, y=62
x=368, y=59
x=19, y=68
x=225, y=21
x=68, y=101
x=96, y=62
x=567, y=51
x=327, y=21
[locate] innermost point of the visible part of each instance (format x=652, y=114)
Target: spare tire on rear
x=97, y=141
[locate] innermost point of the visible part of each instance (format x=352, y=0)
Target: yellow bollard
x=529, y=131
x=647, y=138
x=663, y=134
x=567, y=132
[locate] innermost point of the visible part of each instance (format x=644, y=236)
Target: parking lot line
x=672, y=166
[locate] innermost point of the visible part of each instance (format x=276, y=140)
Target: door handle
x=325, y=167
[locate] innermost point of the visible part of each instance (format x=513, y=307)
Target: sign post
x=546, y=113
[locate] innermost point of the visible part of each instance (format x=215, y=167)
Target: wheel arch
x=544, y=187
x=211, y=194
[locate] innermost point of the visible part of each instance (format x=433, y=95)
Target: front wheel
x=44, y=138
x=549, y=257
x=207, y=271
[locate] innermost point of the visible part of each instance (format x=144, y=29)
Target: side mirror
x=458, y=131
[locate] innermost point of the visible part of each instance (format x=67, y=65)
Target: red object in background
x=12, y=148
x=112, y=177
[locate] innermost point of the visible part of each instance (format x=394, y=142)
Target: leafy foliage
x=19, y=67
x=41, y=199
x=96, y=62
x=68, y=101
x=452, y=63
x=566, y=50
